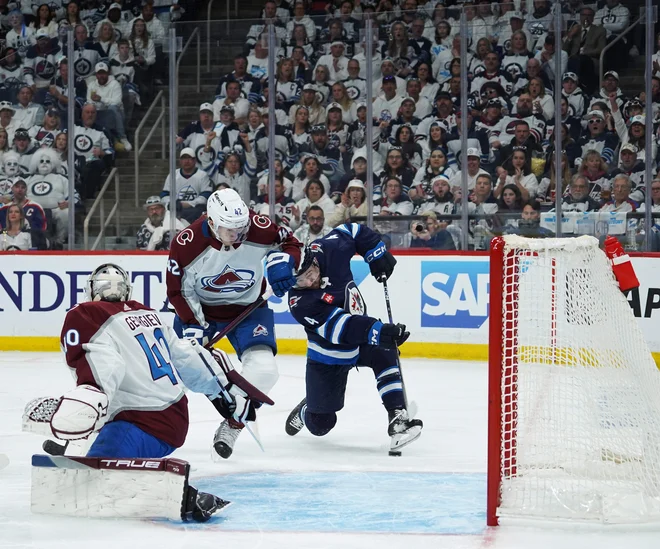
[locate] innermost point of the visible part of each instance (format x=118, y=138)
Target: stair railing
x=208, y=28
x=100, y=203
x=159, y=100
x=615, y=41
x=195, y=33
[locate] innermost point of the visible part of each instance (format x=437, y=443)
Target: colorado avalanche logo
x=229, y=280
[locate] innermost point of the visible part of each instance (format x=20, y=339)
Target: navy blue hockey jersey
x=335, y=316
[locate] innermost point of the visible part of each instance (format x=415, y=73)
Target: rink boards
x=443, y=298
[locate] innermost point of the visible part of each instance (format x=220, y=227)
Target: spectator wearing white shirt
x=27, y=113
x=234, y=99
x=336, y=62
x=389, y=101
x=315, y=195
x=387, y=70
x=193, y=188
x=474, y=170
x=301, y=18
x=315, y=227
x=106, y=94
x=546, y=56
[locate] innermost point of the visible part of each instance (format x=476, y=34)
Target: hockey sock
x=318, y=424
x=390, y=388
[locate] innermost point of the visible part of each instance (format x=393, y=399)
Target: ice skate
x=295, y=423
x=199, y=506
x=225, y=438
x=402, y=430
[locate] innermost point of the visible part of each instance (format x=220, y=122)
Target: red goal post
x=574, y=393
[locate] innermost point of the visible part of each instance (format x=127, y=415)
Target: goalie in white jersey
x=130, y=369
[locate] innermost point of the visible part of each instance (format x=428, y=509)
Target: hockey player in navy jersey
x=340, y=334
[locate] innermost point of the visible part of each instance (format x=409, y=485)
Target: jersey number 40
x=159, y=364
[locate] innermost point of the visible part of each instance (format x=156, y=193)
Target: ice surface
x=342, y=490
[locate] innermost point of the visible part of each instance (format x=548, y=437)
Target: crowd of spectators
x=322, y=90
x=116, y=55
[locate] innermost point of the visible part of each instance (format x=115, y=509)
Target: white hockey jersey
x=194, y=188
x=48, y=190
x=124, y=349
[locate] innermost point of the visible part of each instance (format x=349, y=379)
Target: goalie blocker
x=118, y=488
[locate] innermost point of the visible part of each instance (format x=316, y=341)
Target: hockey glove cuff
x=280, y=269
x=196, y=332
x=381, y=262
x=389, y=336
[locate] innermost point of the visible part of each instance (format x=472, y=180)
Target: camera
x=419, y=227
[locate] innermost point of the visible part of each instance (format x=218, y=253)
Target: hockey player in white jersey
x=51, y=190
x=130, y=369
x=215, y=272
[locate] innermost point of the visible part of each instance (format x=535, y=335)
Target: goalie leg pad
x=121, y=439
x=79, y=413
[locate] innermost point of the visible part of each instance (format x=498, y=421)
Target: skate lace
x=399, y=422
x=297, y=422
x=227, y=434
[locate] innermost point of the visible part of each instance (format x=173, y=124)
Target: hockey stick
x=383, y=280
x=53, y=448
x=240, y=318
x=218, y=402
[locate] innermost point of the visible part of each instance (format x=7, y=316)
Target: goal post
x=574, y=393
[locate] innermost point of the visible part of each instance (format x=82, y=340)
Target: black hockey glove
x=392, y=335
x=383, y=266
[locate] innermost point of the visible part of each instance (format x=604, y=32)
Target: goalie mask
x=109, y=282
x=228, y=217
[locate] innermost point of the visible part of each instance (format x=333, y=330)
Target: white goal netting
x=580, y=390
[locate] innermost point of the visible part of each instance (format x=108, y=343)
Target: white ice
x=452, y=401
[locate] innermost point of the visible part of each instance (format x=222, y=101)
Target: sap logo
x=454, y=294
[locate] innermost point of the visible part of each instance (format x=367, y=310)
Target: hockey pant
x=326, y=387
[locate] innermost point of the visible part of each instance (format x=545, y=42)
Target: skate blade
x=411, y=436
x=223, y=507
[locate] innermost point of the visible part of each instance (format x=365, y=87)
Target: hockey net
x=574, y=393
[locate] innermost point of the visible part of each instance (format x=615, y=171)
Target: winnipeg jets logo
x=187, y=193
x=229, y=280
x=293, y=301
x=537, y=29
x=82, y=143
x=42, y=188
x=354, y=301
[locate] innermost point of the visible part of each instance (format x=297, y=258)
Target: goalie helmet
x=228, y=216
x=109, y=282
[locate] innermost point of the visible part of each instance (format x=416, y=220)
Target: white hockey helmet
x=228, y=216
x=109, y=282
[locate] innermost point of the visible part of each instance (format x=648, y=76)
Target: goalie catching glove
x=79, y=413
